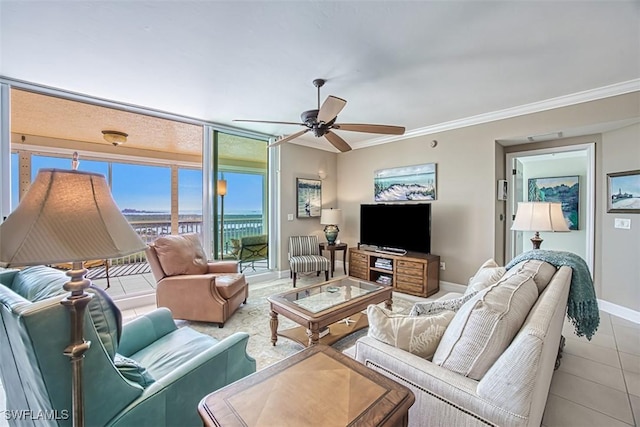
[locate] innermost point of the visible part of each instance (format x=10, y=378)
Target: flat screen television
x=398, y=226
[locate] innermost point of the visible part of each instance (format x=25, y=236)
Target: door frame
x=589, y=182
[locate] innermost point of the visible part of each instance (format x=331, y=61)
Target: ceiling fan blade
x=331, y=107
x=269, y=121
x=337, y=142
x=289, y=137
x=356, y=127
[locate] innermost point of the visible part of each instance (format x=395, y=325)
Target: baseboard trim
x=135, y=301
x=452, y=287
x=620, y=311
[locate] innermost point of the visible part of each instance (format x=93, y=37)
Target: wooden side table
x=317, y=387
x=324, y=246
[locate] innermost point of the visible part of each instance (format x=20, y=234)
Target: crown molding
x=534, y=107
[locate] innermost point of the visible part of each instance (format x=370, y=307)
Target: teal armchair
x=146, y=372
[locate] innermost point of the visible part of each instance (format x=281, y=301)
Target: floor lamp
x=65, y=216
x=222, y=191
x=539, y=216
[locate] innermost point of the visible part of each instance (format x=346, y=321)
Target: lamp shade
x=222, y=187
x=539, y=216
x=331, y=216
x=66, y=216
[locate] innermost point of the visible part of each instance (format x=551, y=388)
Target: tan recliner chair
x=190, y=286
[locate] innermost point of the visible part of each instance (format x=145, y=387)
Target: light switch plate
x=624, y=223
x=289, y=217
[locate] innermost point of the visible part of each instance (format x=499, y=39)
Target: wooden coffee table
x=325, y=305
x=318, y=386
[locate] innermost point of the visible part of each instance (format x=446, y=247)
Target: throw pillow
x=484, y=327
x=133, y=371
x=181, y=254
x=435, y=307
x=488, y=274
x=418, y=335
x=540, y=271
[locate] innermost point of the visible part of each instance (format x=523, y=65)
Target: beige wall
x=297, y=161
x=620, y=249
x=466, y=226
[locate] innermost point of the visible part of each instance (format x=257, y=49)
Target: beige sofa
x=513, y=392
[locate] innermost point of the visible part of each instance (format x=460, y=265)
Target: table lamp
x=539, y=216
x=330, y=218
x=68, y=215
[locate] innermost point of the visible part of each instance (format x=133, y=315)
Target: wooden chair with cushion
x=304, y=256
x=190, y=286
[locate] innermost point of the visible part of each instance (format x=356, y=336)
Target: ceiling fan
x=322, y=122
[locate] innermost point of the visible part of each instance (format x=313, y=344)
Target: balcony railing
x=235, y=227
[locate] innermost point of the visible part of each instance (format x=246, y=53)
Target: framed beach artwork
x=407, y=183
x=308, y=197
x=623, y=192
x=562, y=189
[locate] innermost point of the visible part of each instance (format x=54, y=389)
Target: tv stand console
x=413, y=273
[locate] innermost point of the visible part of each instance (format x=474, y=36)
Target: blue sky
x=143, y=187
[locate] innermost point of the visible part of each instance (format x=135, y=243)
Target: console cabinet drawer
x=359, y=272
x=417, y=272
x=409, y=287
x=409, y=279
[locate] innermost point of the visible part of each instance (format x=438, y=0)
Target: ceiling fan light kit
x=114, y=137
x=322, y=121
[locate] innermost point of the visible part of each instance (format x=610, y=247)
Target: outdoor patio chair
x=304, y=256
x=252, y=249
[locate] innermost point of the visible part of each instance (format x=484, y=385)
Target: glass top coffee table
x=336, y=304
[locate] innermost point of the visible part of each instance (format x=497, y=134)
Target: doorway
x=577, y=164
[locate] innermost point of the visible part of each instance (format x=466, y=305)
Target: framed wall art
x=623, y=192
x=405, y=183
x=308, y=197
x=562, y=189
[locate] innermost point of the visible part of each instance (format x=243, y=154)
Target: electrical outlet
x=442, y=265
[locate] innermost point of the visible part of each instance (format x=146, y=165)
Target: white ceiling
x=417, y=64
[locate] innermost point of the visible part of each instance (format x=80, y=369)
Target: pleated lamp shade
x=66, y=216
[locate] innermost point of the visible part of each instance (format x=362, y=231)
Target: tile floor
x=597, y=384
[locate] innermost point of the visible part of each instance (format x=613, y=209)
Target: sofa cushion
x=133, y=371
x=172, y=351
x=181, y=254
x=230, y=284
x=39, y=282
x=488, y=274
x=483, y=328
x=540, y=271
x=418, y=335
x=434, y=307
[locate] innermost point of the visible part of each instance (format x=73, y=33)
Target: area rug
x=253, y=318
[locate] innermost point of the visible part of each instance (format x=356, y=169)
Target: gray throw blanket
x=582, y=306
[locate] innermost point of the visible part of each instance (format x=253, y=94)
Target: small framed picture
x=503, y=189
x=308, y=197
x=623, y=192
